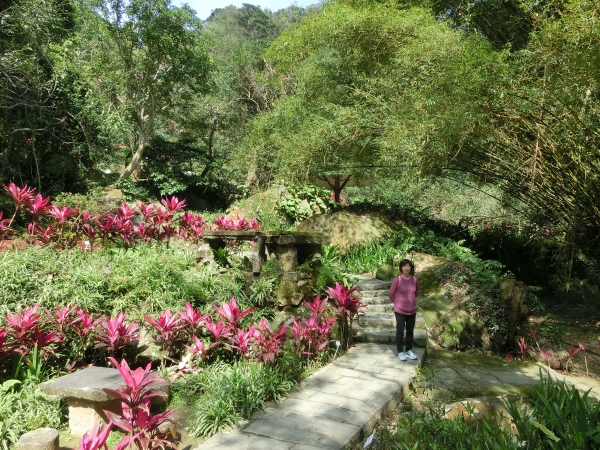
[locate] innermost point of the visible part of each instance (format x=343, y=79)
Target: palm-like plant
x=348, y=304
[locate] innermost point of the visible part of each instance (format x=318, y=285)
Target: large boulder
x=346, y=230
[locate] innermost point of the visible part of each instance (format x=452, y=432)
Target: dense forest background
x=480, y=119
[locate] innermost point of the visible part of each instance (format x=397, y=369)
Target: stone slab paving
x=335, y=406
x=475, y=376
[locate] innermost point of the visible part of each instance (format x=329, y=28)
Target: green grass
x=151, y=278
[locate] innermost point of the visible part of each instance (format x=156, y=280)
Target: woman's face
x=406, y=269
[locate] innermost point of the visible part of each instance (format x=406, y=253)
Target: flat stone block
x=40, y=439
x=368, y=368
x=301, y=406
x=86, y=384
x=327, y=399
x=358, y=405
x=84, y=414
x=333, y=413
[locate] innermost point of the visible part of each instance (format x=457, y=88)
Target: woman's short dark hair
x=404, y=262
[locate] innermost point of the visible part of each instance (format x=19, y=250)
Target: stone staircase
x=376, y=322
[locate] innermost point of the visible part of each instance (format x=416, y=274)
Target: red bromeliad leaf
x=268, y=344
x=42, y=236
x=37, y=206
x=317, y=306
x=167, y=325
x=242, y=340
x=199, y=348
x=22, y=325
x=5, y=229
x=62, y=214
x=115, y=334
x=231, y=313
x=173, y=204
x=20, y=196
x=124, y=212
x=193, y=318
x=92, y=440
x=218, y=330
x=348, y=300
x=119, y=421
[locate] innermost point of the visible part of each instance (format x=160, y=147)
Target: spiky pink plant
x=232, y=313
x=268, y=343
x=522, y=348
x=168, y=326
x=242, y=340
x=114, y=333
x=585, y=359
x=141, y=385
x=194, y=320
x=95, y=439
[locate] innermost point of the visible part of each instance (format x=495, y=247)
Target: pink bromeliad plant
x=311, y=336
x=220, y=332
x=20, y=196
x=114, y=334
x=141, y=386
x=226, y=223
x=24, y=329
x=168, y=326
x=5, y=229
x=348, y=304
x=232, y=313
x=193, y=319
x=242, y=341
x=268, y=343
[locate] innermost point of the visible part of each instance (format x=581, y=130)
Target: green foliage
x=301, y=201
x=228, y=393
x=554, y=416
x=557, y=417
x=24, y=408
x=262, y=290
x=367, y=259
x=430, y=430
x=153, y=279
x=326, y=268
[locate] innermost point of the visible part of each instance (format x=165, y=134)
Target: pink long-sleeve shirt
x=403, y=293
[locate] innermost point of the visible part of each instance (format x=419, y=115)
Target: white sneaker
x=402, y=356
x=411, y=355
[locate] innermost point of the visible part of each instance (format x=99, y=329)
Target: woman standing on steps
x=403, y=293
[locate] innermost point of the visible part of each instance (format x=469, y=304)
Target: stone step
x=379, y=308
x=388, y=336
x=373, y=284
x=383, y=320
x=383, y=300
x=375, y=293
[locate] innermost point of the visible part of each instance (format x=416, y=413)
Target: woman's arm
x=393, y=288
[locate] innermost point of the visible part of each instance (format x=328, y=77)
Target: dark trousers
x=402, y=321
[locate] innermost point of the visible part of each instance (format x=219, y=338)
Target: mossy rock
x=387, y=272
x=460, y=330
x=263, y=206
x=347, y=230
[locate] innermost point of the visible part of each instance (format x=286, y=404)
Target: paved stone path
x=341, y=402
x=335, y=406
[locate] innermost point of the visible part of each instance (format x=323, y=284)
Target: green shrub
x=557, y=417
x=145, y=279
x=23, y=408
x=229, y=393
x=554, y=416
x=429, y=430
